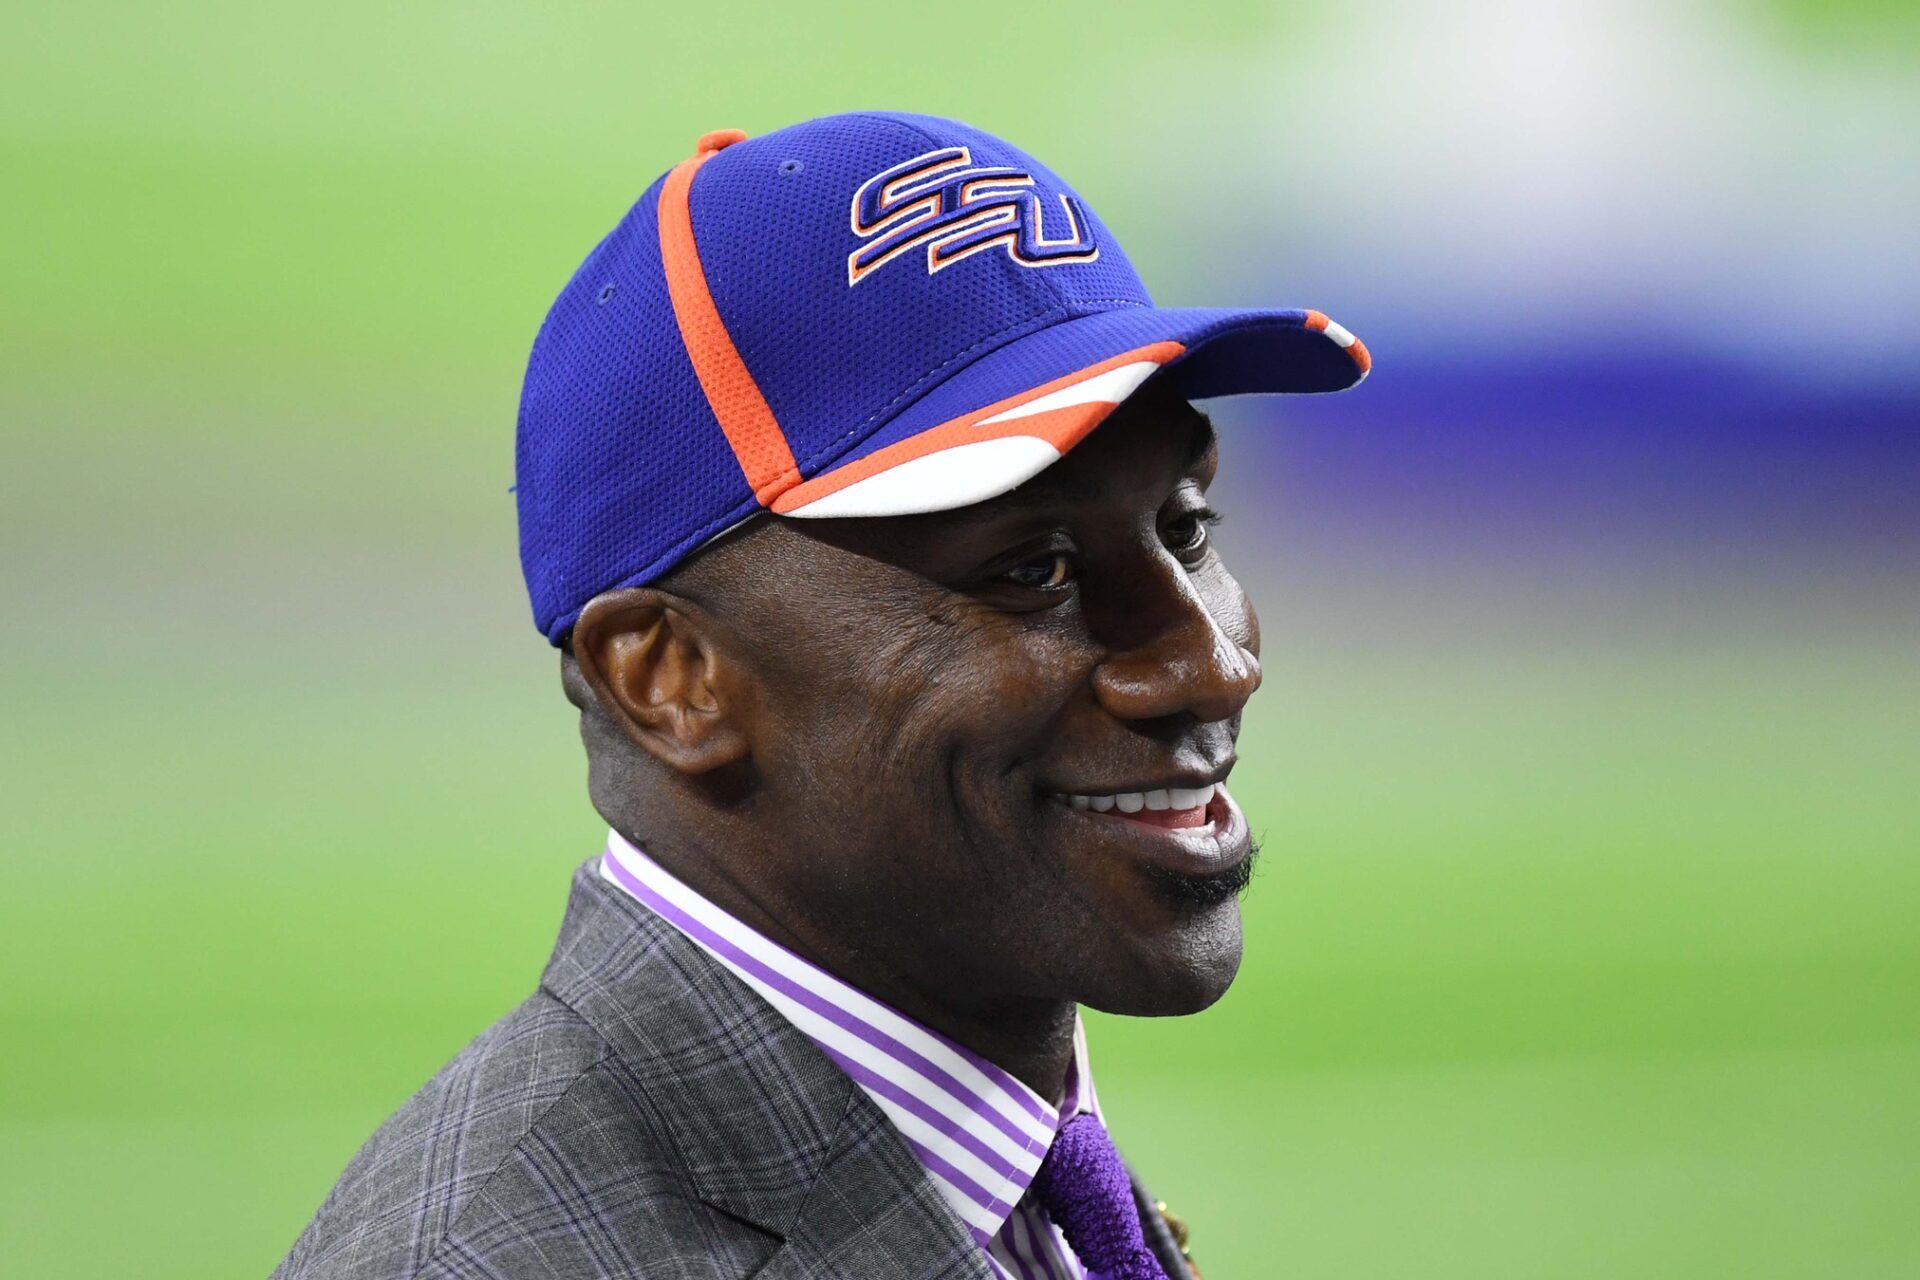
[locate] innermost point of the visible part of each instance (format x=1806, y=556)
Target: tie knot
x=1084, y=1185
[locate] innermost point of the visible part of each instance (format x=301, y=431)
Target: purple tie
x=1087, y=1193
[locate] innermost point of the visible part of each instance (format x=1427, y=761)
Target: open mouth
x=1167, y=808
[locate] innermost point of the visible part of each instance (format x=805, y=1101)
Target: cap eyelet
x=790, y=167
x=605, y=295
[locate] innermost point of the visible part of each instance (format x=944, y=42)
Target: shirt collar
x=979, y=1132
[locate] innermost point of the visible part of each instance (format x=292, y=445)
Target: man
x=909, y=698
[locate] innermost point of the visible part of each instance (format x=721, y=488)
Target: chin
x=1182, y=971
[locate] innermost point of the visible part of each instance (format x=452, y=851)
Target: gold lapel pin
x=1178, y=1226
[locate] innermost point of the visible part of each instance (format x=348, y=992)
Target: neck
x=1029, y=1038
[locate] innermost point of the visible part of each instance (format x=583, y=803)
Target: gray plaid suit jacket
x=643, y=1114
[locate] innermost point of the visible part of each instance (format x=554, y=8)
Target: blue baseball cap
x=871, y=314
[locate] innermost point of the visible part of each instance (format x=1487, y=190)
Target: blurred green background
x=1585, y=942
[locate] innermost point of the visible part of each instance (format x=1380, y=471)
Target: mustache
x=1195, y=892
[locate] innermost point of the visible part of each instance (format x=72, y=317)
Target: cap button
x=717, y=139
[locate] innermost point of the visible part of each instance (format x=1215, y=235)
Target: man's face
x=956, y=711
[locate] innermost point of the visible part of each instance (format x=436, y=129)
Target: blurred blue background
x=1587, y=761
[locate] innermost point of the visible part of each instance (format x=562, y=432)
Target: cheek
x=997, y=692
x=906, y=720
x=1014, y=680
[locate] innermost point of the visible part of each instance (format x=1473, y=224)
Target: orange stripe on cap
x=754, y=434
x=1361, y=357
x=1355, y=349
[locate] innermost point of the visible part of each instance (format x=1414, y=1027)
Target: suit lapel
x=873, y=1212
x=766, y=1127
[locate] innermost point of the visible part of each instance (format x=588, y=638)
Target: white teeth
x=1179, y=799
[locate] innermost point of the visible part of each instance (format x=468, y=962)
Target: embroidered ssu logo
x=944, y=202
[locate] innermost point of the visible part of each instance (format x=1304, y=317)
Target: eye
x=1042, y=573
x=1186, y=535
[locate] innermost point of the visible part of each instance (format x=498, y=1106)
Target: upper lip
x=1185, y=780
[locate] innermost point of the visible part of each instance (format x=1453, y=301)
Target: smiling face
x=984, y=746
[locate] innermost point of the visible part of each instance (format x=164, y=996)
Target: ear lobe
x=651, y=661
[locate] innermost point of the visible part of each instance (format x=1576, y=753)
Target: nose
x=1181, y=660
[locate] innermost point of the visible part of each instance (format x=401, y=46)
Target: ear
x=651, y=661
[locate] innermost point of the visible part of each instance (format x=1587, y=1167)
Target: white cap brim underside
x=972, y=471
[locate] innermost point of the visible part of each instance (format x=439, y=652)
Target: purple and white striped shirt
x=979, y=1132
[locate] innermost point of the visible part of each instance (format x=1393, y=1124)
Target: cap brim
x=1008, y=415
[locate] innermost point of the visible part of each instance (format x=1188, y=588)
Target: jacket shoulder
x=420, y=1170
